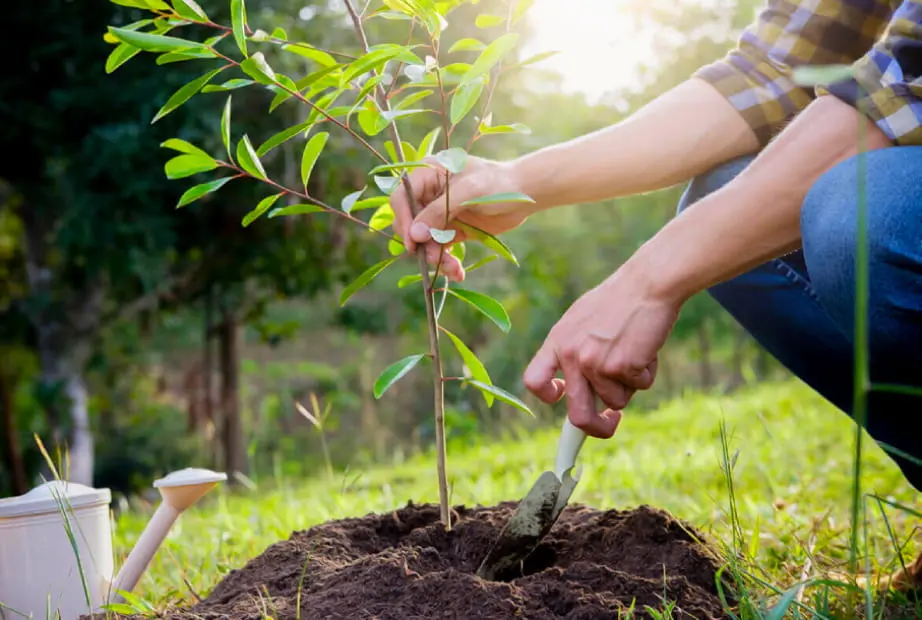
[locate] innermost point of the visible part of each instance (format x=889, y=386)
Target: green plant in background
x=362, y=92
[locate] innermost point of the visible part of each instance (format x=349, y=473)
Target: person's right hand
x=480, y=177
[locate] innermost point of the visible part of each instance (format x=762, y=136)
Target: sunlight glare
x=599, y=43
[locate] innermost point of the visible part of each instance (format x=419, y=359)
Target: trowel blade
x=530, y=522
x=567, y=486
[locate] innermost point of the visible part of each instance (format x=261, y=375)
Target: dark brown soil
x=404, y=566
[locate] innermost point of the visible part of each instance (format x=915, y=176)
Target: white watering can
x=39, y=572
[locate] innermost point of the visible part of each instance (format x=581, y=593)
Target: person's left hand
x=605, y=345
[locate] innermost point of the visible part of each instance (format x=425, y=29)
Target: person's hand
x=480, y=177
x=606, y=345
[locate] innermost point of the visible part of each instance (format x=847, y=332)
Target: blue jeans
x=801, y=307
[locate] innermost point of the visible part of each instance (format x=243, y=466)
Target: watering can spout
x=179, y=490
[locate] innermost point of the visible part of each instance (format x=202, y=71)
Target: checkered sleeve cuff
x=887, y=82
x=766, y=97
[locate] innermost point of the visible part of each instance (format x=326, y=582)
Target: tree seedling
x=363, y=92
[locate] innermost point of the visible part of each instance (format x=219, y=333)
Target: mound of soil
x=404, y=565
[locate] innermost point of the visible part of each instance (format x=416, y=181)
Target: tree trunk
x=232, y=435
x=704, y=357
x=64, y=334
x=208, y=379
x=739, y=358
x=12, y=449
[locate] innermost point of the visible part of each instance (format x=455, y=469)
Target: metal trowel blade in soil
x=538, y=511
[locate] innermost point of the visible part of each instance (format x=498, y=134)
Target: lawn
x=792, y=463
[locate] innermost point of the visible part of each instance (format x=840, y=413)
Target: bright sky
x=600, y=48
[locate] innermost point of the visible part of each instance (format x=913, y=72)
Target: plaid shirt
x=881, y=39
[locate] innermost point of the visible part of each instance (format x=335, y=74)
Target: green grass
x=791, y=456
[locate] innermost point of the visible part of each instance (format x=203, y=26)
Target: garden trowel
x=538, y=511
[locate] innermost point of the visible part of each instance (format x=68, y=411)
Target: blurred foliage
x=84, y=183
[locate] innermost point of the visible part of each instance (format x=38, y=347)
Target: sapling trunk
x=432, y=325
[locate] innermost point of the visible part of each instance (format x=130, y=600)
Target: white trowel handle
x=568, y=447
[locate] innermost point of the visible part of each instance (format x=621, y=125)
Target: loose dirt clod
x=404, y=565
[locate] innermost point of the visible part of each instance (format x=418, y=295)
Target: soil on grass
x=404, y=565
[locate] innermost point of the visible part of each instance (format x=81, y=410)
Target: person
x=768, y=224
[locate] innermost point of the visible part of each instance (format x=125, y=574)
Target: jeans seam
x=796, y=278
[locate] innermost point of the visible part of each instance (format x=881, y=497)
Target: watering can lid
x=190, y=476
x=51, y=497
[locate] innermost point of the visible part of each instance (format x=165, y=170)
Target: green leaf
x=454, y=159
x=442, y=236
x=486, y=260
x=369, y=203
x=261, y=208
x=464, y=99
x=488, y=21
x=391, y=115
x=488, y=58
x=135, y=4
x=412, y=98
x=248, y=159
x=298, y=209
x=228, y=85
x=350, y=200
x=151, y=42
x=513, y=128
x=367, y=276
x=184, y=55
x=501, y=394
x=404, y=165
x=197, y=191
x=185, y=93
x=386, y=183
x=490, y=241
x=537, y=58
x=815, y=75
x=238, y=24
x=474, y=365
x=369, y=61
x=158, y=5
x=120, y=55
x=521, y=8
x=257, y=68
x=425, y=147
x=281, y=137
x=282, y=94
x=190, y=10
x=279, y=33
x=382, y=218
x=306, y=51
x=394, y=373
x=226, y=127
x=187, y=165
x=498, y=198
x=184, y=147
x=467, y=45
x=395, y=247
x=406, y=281
x=459, y=250
x=491, y=308
x=311, y=152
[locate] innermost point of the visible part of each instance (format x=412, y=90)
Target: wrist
x=533, y=176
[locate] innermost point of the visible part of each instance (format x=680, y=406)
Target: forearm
x=755, y=217
x=684, y=132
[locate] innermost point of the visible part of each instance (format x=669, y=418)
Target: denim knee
x=829, y=232
x=711, y=181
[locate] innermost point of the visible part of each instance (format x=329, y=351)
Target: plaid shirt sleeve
x=756, y=76
x=887, y=81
